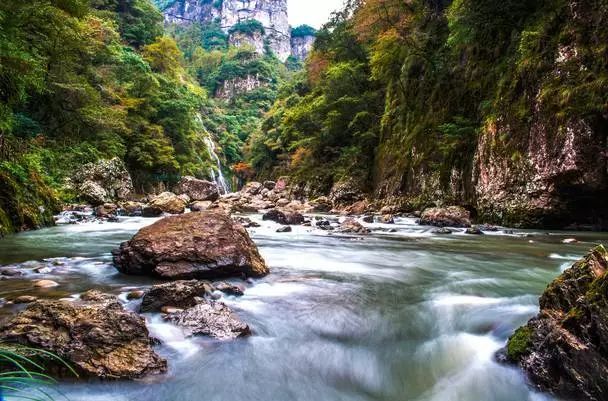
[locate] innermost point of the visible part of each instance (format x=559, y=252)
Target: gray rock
x=103, y=181
x=211, y=318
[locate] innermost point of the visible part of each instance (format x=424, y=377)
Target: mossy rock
x=562, y=350
x=519, y=343
x=26, y=202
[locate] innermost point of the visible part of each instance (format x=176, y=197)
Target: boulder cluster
x=96, y=336
x=99, y=337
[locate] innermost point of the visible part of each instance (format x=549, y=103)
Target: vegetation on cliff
x=401, y=95
x=80, y=81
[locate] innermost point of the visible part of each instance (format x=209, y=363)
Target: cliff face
x=555, y=177
x=186, y=11
x=539, y=157
x=301, y=46
x=550, y=170
x=272, y=14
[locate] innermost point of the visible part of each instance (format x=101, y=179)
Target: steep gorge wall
x=272, y=14
x=540, y=158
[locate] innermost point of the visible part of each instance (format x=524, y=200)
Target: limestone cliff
x=272, y=14
x=301, y=46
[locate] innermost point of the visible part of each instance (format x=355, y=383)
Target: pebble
x=170, y=309
x=570, y=241
x=25, y=299
x=135, y=295
x=46, y=284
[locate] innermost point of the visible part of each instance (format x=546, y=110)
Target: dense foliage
x=398, y=91
x=230, y=117
x=82, y=80
x=302, y=31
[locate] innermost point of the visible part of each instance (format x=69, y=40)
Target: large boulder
x=452, y=216
x=93, y=193
x=195, y=245
x=103, y=181
x=178, y=294
x=357, y=208
x=282, y=184
x=564, y=350
x=198, y=190
x=96, y=336
x=166, y=202
x=210, y=318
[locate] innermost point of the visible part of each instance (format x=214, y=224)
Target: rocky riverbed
x=355, y=307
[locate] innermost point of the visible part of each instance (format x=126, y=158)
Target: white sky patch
x=312, y=12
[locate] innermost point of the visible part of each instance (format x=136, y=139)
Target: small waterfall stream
x=218, y=177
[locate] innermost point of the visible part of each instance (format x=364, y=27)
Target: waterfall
x=218, y=178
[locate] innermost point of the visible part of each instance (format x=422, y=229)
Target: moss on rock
x=519, y=343
x=26, y=202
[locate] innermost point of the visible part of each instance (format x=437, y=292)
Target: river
x=405, y=316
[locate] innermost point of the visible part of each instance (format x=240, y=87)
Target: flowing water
x=218, y=177
x=405, y=316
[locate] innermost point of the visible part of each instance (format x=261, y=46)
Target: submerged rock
x=441, y=231
x=25, y=299
x=452, y=216
x=473, y=231
x=387, y=219
x=97, y=337
x=46, y=284
x=368, y=219
x=564, y=349
x=210, y=318
x=196, y=245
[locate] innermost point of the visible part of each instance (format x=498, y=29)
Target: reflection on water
x=396, y=316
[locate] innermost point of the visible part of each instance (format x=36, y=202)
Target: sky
x=311, y=12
